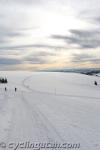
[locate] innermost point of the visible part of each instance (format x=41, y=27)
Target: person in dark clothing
x=95, y=83
x=5, y=89
x=15, y=89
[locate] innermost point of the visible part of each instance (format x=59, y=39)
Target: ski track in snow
x=57, y=94
x=26, y=122
x=72, y=126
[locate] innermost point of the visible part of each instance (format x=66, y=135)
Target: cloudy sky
x=48, y=34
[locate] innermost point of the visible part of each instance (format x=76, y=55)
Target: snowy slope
x=50, y=107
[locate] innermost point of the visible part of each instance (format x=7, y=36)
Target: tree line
x=3, y=80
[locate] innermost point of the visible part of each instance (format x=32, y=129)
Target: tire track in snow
x=57, y=94
x=45, y=128
x=39, y=125
x=45, y=131
x=87, y=144
x=21, y=128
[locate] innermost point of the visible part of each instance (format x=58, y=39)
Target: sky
x=49, y=34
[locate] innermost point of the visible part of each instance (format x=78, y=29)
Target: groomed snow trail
x=40, y=116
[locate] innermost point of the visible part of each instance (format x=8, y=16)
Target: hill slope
x=50, y=107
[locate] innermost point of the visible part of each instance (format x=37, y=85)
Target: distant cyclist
x=5, y=89
x=95, y=83
x=15, y=89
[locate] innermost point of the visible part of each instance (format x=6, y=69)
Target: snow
x=50, y=107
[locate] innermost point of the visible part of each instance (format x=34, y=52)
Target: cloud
x=35, y=60
x=9, y=61
x=25, y=26
x=41, y=57
x=84, y=58
x=7, y=34
x=84, y=39
x=25, y=2
x=44, y=53
x=15, y=47
x=95, y=20
x=91, y=16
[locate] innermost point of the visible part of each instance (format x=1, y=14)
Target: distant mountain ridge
x=87, y=71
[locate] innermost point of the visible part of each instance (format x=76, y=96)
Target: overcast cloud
x=43, y=32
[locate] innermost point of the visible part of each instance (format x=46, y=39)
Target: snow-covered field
x=49, y=108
